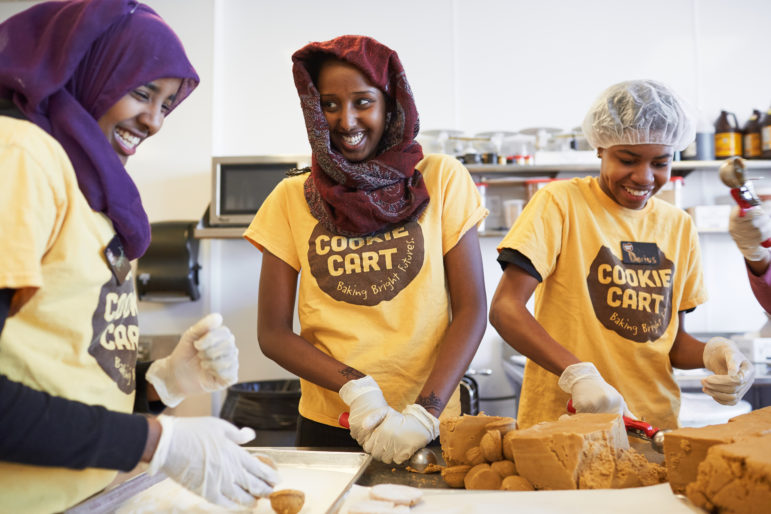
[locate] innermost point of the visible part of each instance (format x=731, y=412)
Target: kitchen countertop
x=437, y=494
x=127, y=485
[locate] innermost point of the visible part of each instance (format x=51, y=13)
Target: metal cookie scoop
x=422, y=458
x=639, y=429
x=419, y=461
x=732, y=174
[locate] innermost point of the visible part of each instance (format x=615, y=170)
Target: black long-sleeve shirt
x=41, y=429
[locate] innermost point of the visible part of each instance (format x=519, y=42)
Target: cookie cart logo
x=366, y=270
x=116, y=333
x=633, y=300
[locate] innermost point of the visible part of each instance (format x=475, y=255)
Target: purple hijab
x=64, y=64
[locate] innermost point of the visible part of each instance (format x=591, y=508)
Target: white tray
x=324, y=477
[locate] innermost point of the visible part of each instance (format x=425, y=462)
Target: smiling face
x=355, y=110
x=631, y=174
x=138, y=115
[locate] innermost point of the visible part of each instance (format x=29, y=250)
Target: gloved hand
x=202, y=454
x=590, y=392
x=733, y=372
x=402, y=434
x=749, y=231
x=367, y=406
x=204, y=360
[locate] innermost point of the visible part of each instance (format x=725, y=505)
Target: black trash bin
x=267, y=406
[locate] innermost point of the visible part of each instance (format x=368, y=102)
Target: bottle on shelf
x=728, y=136
x=702, y=148
x=752, y=133
x=765, y=135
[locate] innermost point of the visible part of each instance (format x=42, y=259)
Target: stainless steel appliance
x=241, y=183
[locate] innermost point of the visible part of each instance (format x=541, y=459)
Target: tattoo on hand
x=351, y=374
x=430, y=402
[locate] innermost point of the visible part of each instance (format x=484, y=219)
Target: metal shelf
x=679, y=168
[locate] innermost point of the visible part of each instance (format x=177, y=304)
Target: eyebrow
x=629, y=152
x=371, y=91
x=155, y=89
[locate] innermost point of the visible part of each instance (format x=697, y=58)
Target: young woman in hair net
x=384, y=243
x=82, y=85
x=614, y=271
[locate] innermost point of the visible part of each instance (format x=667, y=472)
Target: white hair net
x=638, y=112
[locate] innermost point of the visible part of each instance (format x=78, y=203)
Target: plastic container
x=672, y=191
x=728, y=136
x=765, y=136
x=752, y=135
x=263, y=405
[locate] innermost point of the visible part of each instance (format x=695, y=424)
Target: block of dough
x=459, y=433
x=634, y=470
x=482, y=477
x=576, y=452
x=516, y=483
x=397, y=494
x=686, y=448
x=503, y=426
x=735, y=477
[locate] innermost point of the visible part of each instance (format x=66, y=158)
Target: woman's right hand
x=368, y=407
x=204, y=455
x=590, y=392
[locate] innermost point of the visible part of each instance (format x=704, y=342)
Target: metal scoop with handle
x=419, y=461
x=639, y=429
x=732, y=174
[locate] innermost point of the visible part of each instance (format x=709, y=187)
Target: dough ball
x=482, y=477
x=454, y=475
x=491, y=446
x=504, y=468
x=516, y=483
x=287, y=501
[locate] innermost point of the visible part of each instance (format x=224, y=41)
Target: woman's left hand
x=402, y=433
x=733, y=372
x=204, y=360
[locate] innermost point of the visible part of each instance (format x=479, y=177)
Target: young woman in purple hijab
x=383, y=242
x=82, y=84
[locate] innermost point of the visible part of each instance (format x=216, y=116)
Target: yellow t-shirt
x=379, y=304
x=77, y=336
x=614, y=280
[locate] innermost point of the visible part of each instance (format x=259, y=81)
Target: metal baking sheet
x=324, y=477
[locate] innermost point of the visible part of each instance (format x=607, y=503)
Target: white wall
x=473, y=65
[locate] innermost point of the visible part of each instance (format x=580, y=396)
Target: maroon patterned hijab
x=360, y=198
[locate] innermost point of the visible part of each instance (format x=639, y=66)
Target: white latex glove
x=204, y=360
x=367, y=406
x=590, y=392
x=749, y=231
x=203, y=455
x=733, y=372
x=402, y=434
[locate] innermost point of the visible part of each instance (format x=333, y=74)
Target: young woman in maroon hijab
x=384, y=243
x=82, y=84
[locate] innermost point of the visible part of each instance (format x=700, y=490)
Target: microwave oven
x=241, y=183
